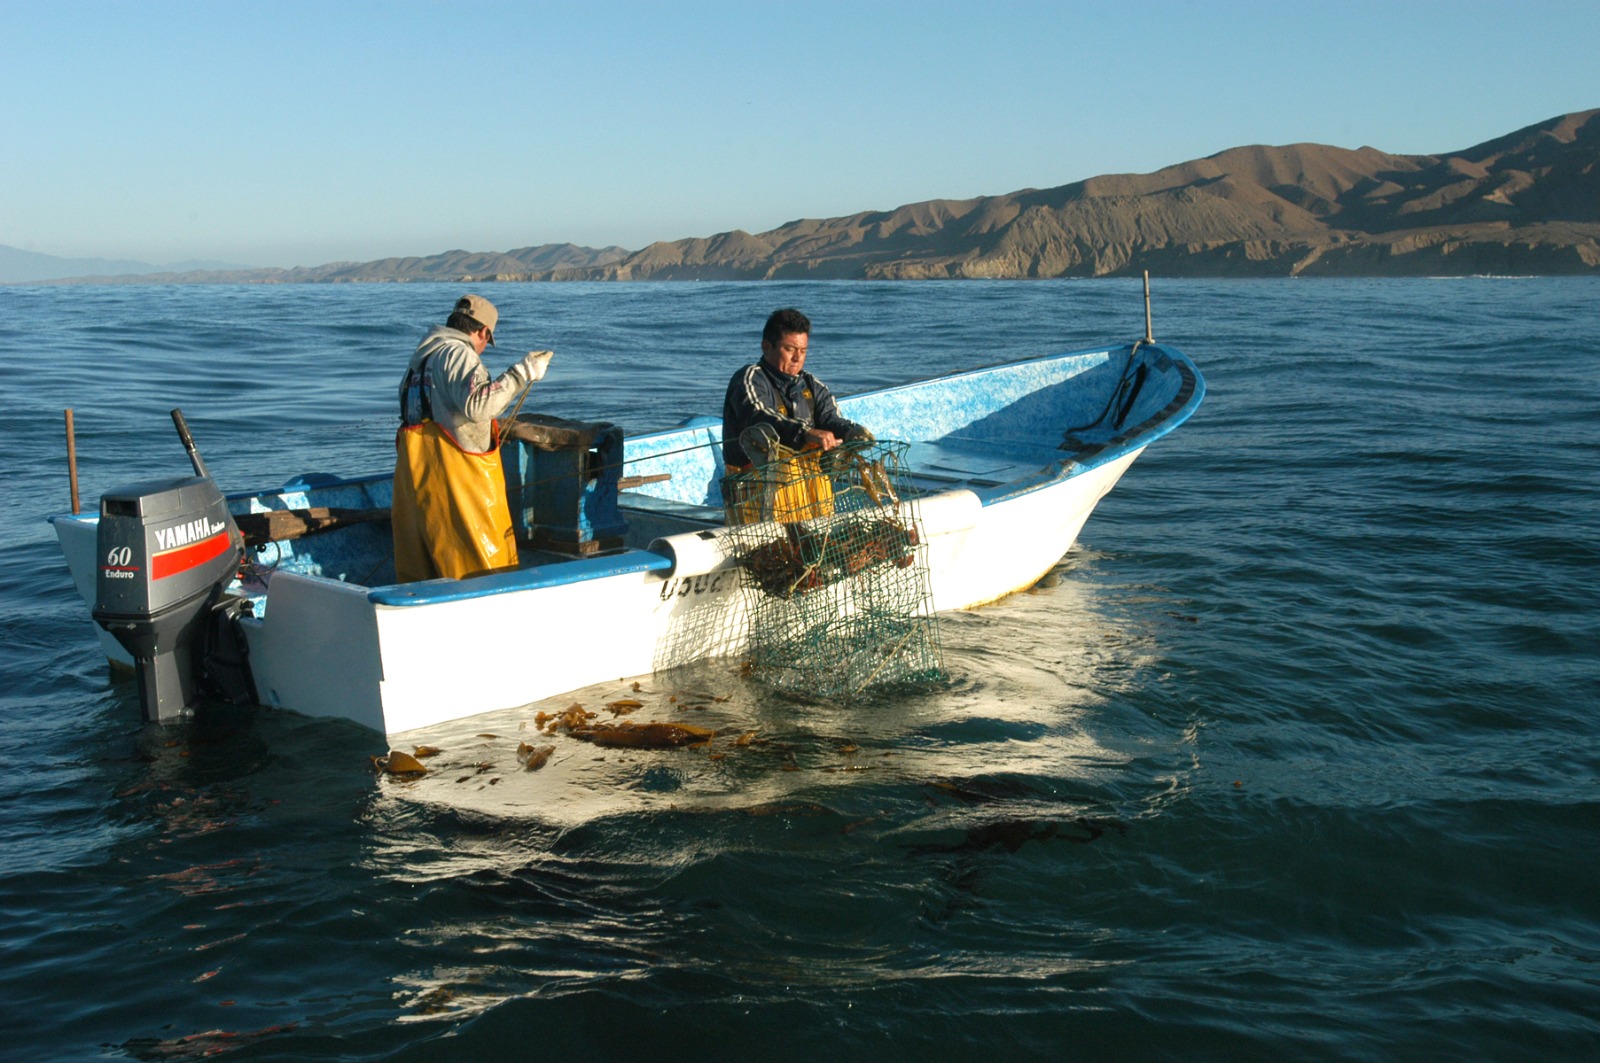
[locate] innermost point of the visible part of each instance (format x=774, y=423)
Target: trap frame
x=834, y=567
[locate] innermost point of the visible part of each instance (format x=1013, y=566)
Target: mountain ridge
x=1527, y=202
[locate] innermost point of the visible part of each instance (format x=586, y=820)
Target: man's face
x=788, y=355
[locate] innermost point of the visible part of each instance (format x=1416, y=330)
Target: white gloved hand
x=533, y=366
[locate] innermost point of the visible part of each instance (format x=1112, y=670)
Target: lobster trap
x=834, y=567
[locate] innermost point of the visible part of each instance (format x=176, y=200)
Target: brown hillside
x=1527, y=203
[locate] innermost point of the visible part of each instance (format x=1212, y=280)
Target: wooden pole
x=72, y=463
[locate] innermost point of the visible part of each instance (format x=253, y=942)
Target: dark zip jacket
x=759, y=394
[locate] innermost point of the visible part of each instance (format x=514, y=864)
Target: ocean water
x=1299, y=757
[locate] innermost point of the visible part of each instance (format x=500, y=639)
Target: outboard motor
x=166, y=550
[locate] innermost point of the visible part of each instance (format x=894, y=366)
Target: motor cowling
x=167, y=550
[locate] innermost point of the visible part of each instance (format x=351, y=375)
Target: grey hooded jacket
x=464, y=401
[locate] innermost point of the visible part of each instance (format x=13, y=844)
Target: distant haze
x=19, y=266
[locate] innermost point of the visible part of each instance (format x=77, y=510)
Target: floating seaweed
x=571, y=718
x=399, y=763
x=533, y=757
x=631, y=735
x=1013, y=834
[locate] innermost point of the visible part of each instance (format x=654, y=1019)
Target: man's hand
x=822, y=437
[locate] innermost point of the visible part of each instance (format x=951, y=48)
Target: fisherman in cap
x=449, y=514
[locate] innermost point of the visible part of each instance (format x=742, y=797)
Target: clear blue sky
x=280, y=134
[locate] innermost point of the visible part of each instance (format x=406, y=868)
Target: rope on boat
x=1128, y=388
x=1132, y=380
x=500, y=436
x=529, y=484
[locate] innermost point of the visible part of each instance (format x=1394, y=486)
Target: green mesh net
x=834, y=570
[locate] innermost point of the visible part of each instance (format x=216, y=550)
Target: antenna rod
x=1148, y=336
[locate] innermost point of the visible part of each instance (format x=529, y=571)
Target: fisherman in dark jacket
x=776, y=401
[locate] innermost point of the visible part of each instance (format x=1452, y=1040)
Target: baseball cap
x=480, y=310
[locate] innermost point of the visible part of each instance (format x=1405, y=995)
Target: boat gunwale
x=532, y=578
x=1191, y=390
x=566, y=571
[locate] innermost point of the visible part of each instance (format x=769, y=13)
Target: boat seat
x=650, y=517
x=978, y=463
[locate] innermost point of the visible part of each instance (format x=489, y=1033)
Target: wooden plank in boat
x=280, y=524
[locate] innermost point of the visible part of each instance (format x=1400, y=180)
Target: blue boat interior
x=995, y=431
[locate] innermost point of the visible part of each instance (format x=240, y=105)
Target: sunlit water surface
x=1298, y=759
